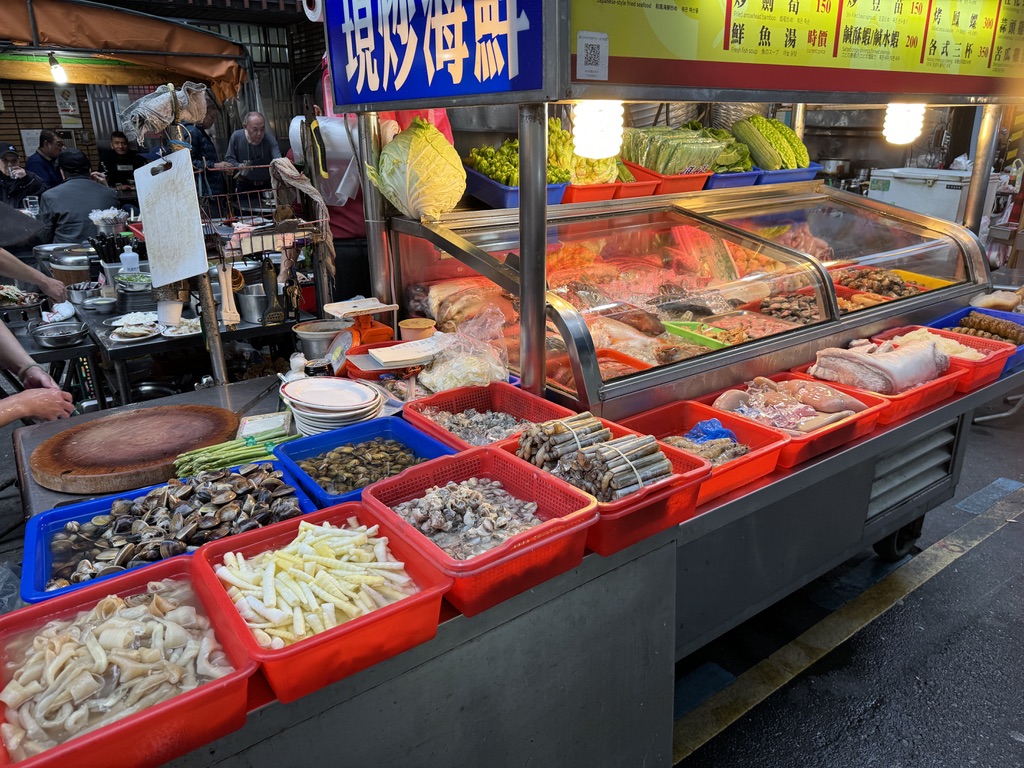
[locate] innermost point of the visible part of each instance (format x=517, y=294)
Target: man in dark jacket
x=64, y=210
x=210, y=178
x=44, y=162
x=120, y=161
x=15, y=182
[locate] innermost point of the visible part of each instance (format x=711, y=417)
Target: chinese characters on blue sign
x=403, y=50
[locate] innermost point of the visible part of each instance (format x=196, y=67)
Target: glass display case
x=670, y=297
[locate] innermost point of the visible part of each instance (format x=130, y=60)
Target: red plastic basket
x=977, y=373
x=679, y=417
x=669, y=185
x=588, y=193
x=635, y=188
x=494, y=397
x=308, y=665
x=904, y=404
x=649, y=510
x=800, y=448
x=525, y=560
x=159, y=733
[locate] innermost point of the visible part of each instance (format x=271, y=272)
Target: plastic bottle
x=129, y=260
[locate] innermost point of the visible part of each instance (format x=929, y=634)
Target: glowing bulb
x=903, y=122
x=597, y=129
x=60, y=77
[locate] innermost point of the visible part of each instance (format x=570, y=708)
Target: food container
x=905, y=403
x=252, y=303
x=57, y=335
x=316, y=335
x=789, y=174
x=110, y=270
x=498, y=396
x=679, y=417
x=70, y=266
x=310, y=664
x=520, y=563
x=417, y=328
x=924, y=282
x=389, y=427
x=561, y=362
x=691, y=331
x=737, y=179
x=801, y=448
x=79, y=292
x=158, y=734
x=668, y=185
x=37, y=560
x=953, y=320
x=500, y=196
x=977, y=373
x=588, y=193
x=635, y=188
x=651, y=509
x=102, y=304
x=134, y=281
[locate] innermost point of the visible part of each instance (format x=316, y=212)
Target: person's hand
x=44, y=404
x=223, y=165
x=18, y=173
x=99, y=178
x=55, y=289
x=37, y=378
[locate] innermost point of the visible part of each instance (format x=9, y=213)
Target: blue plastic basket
x=37, y=563
x=739, y=179
x=389, y=428
x=789, y=174
x=499, y=196
x=953, y=320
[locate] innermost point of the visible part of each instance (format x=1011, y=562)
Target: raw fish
x=884, y=369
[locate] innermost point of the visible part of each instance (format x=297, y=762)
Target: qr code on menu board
x=591, y=54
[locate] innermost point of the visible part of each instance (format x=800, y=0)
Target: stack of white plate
x=321, y=404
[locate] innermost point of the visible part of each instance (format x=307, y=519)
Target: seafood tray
x=40, y=529
x=841, y=291
x=635, y=188
x=691, y=331
x=310, y=664
x=978, y=373
x=679, y=417
x=801, y=448
x=755, y=324
x=423, y=446
x=498, y=195
x=789, y=174
x=609, y=357
x=520, y=563
x=164, y=731
x=914, y=279
x=589, y=193
x=1014, y=360
x=738, y=179
x=649, y=510
x=494, y=397
x=904, y=404
x=669, y=185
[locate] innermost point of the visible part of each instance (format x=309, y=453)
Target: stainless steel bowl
x=57, y=335
x=102, y=304
x=79, y=292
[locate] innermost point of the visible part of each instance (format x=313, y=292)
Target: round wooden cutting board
x=127, y=450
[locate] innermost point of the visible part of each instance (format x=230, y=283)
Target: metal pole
x=373, y=207
x=533, y=213
x=982, y=171
x=799, y=119
x=212, y=327
x=319, y=251
x=32, y=21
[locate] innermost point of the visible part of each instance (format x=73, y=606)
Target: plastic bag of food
x=474, y=355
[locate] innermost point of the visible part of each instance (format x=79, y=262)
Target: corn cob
x=775, y=139
x=803, y=160
x=764, y=153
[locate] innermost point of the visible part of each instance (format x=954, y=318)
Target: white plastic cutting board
x=170, y=218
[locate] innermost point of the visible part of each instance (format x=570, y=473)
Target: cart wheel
x=896, y=546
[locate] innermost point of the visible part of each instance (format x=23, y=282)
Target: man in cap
x=64, y=210
x=15, y=182
x=44, y=162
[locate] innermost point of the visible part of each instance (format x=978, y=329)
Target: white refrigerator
x=942, y=194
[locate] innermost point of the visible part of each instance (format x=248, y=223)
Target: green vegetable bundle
x=502, y=164
x=671, y=150
x=773, y=144
x=582, y=170
x=231, y=453
x=734, y=157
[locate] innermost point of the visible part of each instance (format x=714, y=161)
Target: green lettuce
x=420, y=172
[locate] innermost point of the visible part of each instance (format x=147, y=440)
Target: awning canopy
x=101, y=45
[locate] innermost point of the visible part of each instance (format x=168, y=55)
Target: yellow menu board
x=886, y=46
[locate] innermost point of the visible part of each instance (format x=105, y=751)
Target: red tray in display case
x=801, y=448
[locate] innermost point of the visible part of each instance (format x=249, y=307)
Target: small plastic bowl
x=104, y=305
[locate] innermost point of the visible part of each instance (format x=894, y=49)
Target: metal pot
x=79, y=292
x=57, y=335
x=831, y=166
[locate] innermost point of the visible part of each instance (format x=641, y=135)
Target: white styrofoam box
x=938, y=193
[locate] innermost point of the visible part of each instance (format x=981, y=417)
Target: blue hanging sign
x=406, y=50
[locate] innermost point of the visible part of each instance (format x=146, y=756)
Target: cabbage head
x=420, y=172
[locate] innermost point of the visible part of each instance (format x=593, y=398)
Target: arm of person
x=41, y=404
x=275, y=150
x=11, y=266
x=233, y=150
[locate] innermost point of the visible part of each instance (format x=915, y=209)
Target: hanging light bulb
x=60, y=77
x=597, y=128
x=903, y=122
